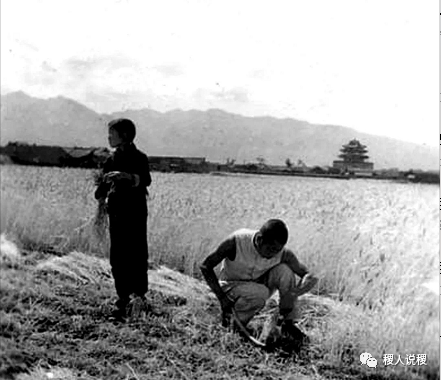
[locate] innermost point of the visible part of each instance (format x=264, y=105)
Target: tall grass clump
x=50, y=209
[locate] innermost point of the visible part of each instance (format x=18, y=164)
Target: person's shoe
x=273, y=338
x=122, y=303
x=118, y=315
x=290, y=328
x=293, y=339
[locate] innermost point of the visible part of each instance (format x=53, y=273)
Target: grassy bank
x=54, y=320
x=374, y=244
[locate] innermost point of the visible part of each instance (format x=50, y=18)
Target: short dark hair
x=125, y=128
x=274, y=230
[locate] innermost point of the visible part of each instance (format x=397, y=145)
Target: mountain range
x=214, y=134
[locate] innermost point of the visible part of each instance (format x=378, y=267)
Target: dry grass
x=374, y=244
x=53, y=322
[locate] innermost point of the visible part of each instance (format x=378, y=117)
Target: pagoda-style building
x=353, y=159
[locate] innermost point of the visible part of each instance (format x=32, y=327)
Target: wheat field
x=374, y=244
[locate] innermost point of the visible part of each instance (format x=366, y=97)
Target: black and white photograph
x=219, y=190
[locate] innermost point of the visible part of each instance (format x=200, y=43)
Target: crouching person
x=254, y=265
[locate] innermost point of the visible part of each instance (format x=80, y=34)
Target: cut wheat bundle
x=100, y=221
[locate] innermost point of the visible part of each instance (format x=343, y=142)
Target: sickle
x=245, y=331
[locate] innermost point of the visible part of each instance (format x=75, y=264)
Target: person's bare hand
x=117, y=176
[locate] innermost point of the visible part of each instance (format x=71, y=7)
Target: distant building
x=300, y=167
x=31, y=154
x=47, y=155
x=178, y=164
x=195, y=160
x=353, y=159
x=85, y=157
x=392, y=173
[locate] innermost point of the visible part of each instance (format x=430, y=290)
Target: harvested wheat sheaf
x=100, y=221
x=9, y=252
x=78, y=267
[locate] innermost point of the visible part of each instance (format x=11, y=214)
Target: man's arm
x=308, y=280
x=227, y=249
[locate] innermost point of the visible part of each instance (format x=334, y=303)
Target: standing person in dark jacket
x=126, y=176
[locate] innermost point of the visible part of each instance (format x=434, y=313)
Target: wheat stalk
x=100, y=221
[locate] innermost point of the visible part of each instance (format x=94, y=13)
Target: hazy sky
x=370, y=65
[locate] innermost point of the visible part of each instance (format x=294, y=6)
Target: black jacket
x=124, y=196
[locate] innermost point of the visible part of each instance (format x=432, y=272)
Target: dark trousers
x=129, y=253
